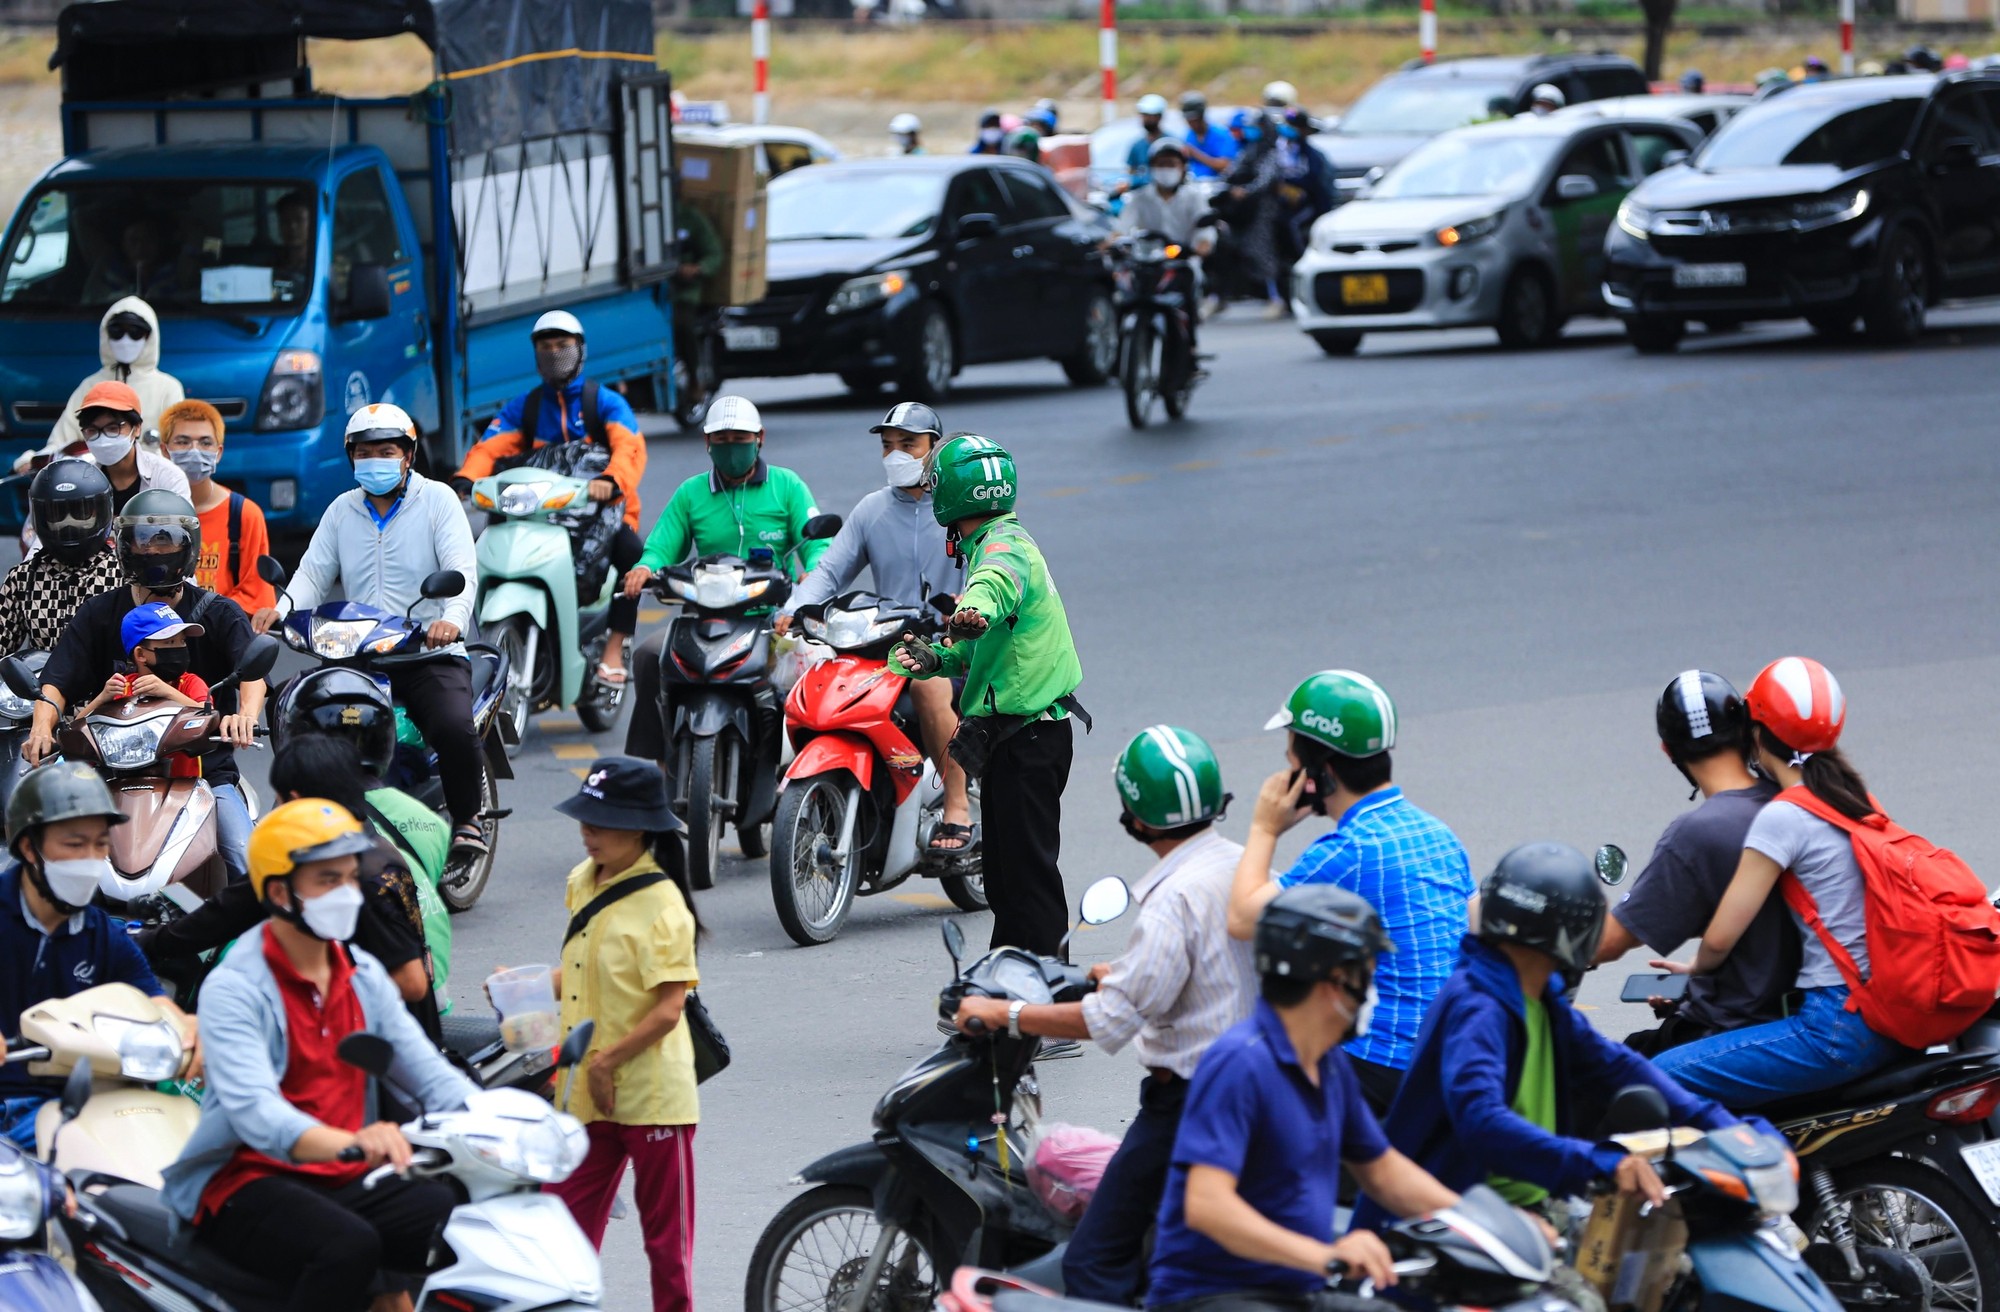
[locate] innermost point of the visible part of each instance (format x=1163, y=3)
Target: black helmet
x=1701, y=714
x=1193, y=102
x=60, y=790
x=165, y=525
x=1545, y=896
x=344, y=703
x=912, y=417
x=1923, y=58
x=70, y=504
x=1693, y=82
x=1309, y=932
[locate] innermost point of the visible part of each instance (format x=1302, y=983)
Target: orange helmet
x=1800, y=702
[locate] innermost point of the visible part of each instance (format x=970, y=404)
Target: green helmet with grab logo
x=969, y=475
x=1346, y=711
x=1168, y=778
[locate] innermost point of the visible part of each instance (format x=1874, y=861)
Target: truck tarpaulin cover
x=522, y=69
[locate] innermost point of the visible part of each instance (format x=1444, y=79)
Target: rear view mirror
x=820, y=527
x=1104, y=901
x=367, y=1052
x=1611, y=864
x=444, y=583
x=977, y=227
x=258, y=658
x=20, y=680
x=954, y=943
x=269, y=570
x=1575, y=186
x=76, y=1090
x=576, y=1045
x=367, y=294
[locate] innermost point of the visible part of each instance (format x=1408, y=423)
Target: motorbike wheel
x=1139, y=374
x=517, y=703
x=813, y=899
x=816, y=1248
x=465, y=876
x=1914, y=1210
x=968, y=891
x=754, y=841
x=704, y=837
x=1174, y=399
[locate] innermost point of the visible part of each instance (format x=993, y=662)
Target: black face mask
x=1131, y=826
x=170, y=663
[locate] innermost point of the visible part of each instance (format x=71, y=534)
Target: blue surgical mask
x=379, y=475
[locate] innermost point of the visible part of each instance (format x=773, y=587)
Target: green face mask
x=733, y=459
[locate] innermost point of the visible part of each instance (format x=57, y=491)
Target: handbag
x=711, y=1050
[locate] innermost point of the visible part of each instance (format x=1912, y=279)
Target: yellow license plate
x=1364, y=289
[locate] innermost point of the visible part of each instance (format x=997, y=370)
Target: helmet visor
x=75, y=519
x=157, y=534
x=368, y=435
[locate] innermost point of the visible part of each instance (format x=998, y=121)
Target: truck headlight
x=860, y=293
x=293, y=396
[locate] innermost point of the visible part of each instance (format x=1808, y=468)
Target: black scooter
x=1157, y=309
x=17, y=716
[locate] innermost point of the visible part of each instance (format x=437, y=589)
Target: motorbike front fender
x=862, y=1165
x=829, y=752
x=509, y=598
x=1748, y=1270
x=706, y=715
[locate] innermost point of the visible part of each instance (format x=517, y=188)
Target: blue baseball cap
x=153, y=620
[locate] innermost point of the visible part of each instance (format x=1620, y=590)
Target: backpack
x=593, y=419
x=1933, y=938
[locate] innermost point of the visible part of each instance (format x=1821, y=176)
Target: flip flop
x=616, y=678
x=946, y=829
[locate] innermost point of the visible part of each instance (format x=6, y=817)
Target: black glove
x=967, y=624
x=461, y=486
x=918, y=656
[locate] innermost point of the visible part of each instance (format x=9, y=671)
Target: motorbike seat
x=486, y=663
x=148, y=1223
x=1893, y=1081
x=469, y=1034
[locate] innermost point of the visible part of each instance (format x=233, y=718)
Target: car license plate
x=739, y=337
x=1983, y=1159
x=1710, y=275
x=1364, y=289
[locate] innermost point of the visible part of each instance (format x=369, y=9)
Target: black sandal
x=946, y=829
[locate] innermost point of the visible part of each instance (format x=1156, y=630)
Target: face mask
x=126, y=349
x=1167, y=178
x=733, y=459
x=197, y=464
x=559, y=365
x=74, y=882
x=1132, y=830
x=1366, y=1015
x=379, y=475
x=170, y=663
x=1288, y=132
x=902, y=469
x=108, y=451
x=990, y=136
x=332, y=916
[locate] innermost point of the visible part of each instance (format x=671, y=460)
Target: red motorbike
x=859, y=803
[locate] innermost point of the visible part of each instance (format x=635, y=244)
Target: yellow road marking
x=1133, y=478
x=1266, y=452
x=1190, y=466
x=1402, y=428
x=580, y=771
x=923, y=900
x=575, y=751
x=1335, y=440
x=559, y=724
x=1469, y=417
x=652, y=614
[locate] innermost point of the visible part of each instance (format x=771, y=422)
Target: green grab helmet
x=969, y=475
x=1169, y=778
x=1346, y=711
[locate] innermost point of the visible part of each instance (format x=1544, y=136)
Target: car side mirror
x=20, y=680
x=576, y=1045
x=1611, y=864
x=977, y=227
x=1575, y=186
x=820, y=527
x=1674, y=157
x=269, y=570
x=367, y=1052
x=1959, y=153
x=367, y=294
x=444, y=583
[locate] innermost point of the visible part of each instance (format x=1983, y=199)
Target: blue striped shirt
x=1413, y=871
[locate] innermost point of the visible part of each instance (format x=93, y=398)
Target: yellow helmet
x=310, y=829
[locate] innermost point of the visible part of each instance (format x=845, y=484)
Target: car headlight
x=1636, y=220
x=126, y=746
x=1775, y=1189
x=24, y=1201
x=338, y=640
x=15, y=708
x=1460, y=233
x=860, y=293
x=148, y=1051
x=1825, y=211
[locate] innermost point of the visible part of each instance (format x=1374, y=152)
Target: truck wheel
x=811, y=889
x=1892, y=308
x=1655, y=336
x=927, y=377
x=1094, y=365
x=1336, y=343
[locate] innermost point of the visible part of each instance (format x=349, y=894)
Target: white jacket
x=385, y=565
x=157, y=388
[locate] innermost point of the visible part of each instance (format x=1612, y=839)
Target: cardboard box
x=725, y=184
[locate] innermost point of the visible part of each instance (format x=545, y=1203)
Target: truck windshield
x=836, y=205
x=180, y=245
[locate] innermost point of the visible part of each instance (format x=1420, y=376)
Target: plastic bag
x=1069, y=1161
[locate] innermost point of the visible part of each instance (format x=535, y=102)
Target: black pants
x=438, y=694
x=1670, y=1033
x=645, y=736
x=626, y=549
x=1020, y=800
x=1104, y=1261
x=329, y=1244
x=1378, y=1084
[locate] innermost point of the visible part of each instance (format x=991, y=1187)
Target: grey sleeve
x=843, y=559
x=241, y=1075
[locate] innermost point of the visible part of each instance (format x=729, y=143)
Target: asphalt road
x=1522, y=548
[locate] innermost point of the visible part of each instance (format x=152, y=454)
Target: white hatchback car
x=1496, y=225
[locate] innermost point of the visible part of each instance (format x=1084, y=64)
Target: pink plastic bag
x=1069, y=1161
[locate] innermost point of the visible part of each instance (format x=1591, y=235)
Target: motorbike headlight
x=685, y=591
x=1636, y=220
x=148, y=1051
x=1825, y=211
x=128, y=746
x=849, y=628
x=1460, y=233
x=718, y=589
x=539, y=1150
x=522, y=498
x=1775, y=1189
x=15, y=708
x=23, y=1196
x=860, y=293
x=338, y=640
x=816, y=629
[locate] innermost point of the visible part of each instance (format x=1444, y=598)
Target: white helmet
x=1152, y=105
x=557, y=321
x=381, y=422
x=1545, y=94
x=904, y=125
x=1280, y=94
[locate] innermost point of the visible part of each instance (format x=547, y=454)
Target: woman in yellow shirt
x=629, y=969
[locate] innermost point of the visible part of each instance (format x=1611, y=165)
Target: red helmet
x=1800, y=702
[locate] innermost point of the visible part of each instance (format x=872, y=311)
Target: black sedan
x=1869, y=198
x=903, y=271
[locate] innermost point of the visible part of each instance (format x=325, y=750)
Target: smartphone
x=1640, y=987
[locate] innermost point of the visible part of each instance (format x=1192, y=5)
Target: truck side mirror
x=367, y=294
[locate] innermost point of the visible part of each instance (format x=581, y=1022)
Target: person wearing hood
x=128, y=346
x=991, y=135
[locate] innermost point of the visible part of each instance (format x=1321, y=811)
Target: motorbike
x=859, y=802
x=170, y=836
x=546, y=582
x=357, y=635
x=17, y=716
x=1157, y=307
x=472, y=1043
x=32, y=1279
x=509, y=1246
x=943, y=1181
x=130, y=1129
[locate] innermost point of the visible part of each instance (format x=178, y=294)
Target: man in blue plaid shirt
x=1404, y=861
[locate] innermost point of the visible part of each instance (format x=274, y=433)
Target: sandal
x=968, y=836
x=469, y=838
x=614, y=677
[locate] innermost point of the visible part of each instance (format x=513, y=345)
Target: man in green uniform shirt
x=1011, y=644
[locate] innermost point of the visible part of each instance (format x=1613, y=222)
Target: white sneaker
x=1274, y=310
x=1212, y=307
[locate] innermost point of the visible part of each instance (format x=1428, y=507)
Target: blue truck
x=308, y=254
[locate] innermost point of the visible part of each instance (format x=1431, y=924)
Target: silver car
x=1496, y=225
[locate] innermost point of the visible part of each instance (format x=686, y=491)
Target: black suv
x=1419, y=100
x=1868, y=198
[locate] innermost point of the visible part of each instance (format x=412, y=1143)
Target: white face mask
x=126, y=349
x=1366, y=1015
x=902, y=469
x=75, y=881
x=1167, y=178
x=108, y=451
x=332, y=916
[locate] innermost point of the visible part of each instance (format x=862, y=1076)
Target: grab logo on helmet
x=986, y=492
x=1326, y=724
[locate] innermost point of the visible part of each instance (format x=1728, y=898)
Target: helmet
x=70, y=504
x=310, y=829
x=1923, y=58
x=1547, y=93
x=343, y=703
x=1048, y=107
x=1152, y=105
x=1693, y=82
x=1343, y=710
x=1815, y=64
x=989, y=118
x=60, y=790
x=911, y=417
x=969, y=475
x=1800, y=702
x=384, y=423
x=1041, y=120
x=1310, y=931
x=1545, y=896
x=555, y=321
x=1280, y=94
x=904, y=124
x=1193, y=102
x=732, y=414
x=1166, y=146
x=158, y=518
x=1245, y=120
x=1169, y=778
x=1700, y=713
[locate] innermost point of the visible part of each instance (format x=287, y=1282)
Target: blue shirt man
x=1210, y=140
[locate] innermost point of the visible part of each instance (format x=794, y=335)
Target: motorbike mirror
x=954, y=943
x=576, y=1045
x=820, y=527
x=444, y=583
x=1611, y=864
x=76, y=1090
x=1104, y=901
x=258, y=658
x=269, y=570
x=1636, y=1109
x=20, y=680
x=367, y=1052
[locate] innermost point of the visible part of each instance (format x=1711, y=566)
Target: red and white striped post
x=760, y=57
x=1847, y=36
x=1107, y=55
x=1427, y=30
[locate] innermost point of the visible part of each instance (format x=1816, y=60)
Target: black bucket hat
x=623, y=792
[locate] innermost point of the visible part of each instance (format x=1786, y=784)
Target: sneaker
x=1058, y=1049
x=1212, y=307
x=1275, y=310
x=469, y=839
